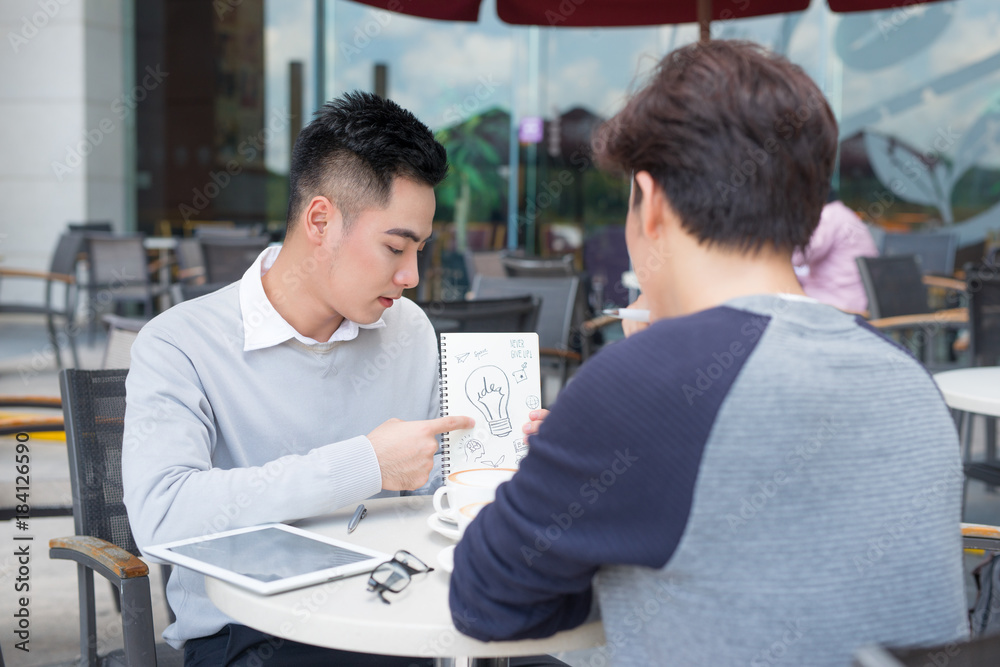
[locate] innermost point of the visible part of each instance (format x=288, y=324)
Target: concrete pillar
x=62, y=142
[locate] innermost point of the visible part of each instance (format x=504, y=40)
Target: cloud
x=400, y=26
x=359, y=76
x=458, y=57
x=454, y=66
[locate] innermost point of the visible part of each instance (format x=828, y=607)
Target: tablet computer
x=269, y=558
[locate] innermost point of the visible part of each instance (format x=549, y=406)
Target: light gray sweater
x=218, y=438
x=769, y=482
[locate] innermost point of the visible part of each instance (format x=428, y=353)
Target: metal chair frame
x=900, y=275
x=62, y=269
x=560, y=317
x=983, y=288
x=228, y=258
x=118, y=267
x=122, y=332
x=973, y=653
x=94, y=408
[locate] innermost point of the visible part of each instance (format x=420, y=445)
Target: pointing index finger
x=452, y=423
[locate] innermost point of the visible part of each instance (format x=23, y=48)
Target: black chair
x=228, y=258
x=511, y=314
x=486, y=263
x=983, y=288
x=94, y=411
x=119, y=273
x=200, y=227
x=87, y=227
x=222, y=231
x=979, y=651
x=898, y=300
x=122, y=332
x=62, y=269
x=562, y=338
x=894, y=286
x=538, y=267
x=191, y=271
x=190, y=260
x=935, y=250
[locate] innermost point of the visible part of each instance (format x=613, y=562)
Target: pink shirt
x=827, y=270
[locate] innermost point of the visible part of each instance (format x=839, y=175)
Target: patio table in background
x=974, y=391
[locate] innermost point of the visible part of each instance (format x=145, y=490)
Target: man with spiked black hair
x=308, y=385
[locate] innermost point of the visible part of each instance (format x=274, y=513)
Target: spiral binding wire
x=445, y=437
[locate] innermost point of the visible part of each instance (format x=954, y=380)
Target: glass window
x=914, y=88
x=920, y=120
x=290, y=92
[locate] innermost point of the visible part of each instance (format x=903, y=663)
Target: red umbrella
x=621, y=13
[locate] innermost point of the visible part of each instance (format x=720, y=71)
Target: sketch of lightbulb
x=488, y=390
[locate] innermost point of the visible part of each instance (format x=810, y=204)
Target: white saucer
x=446, y=558
x=442, y=527
x=444, y=518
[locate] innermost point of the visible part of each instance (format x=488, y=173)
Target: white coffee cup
x=466, y=513
x=465, y=487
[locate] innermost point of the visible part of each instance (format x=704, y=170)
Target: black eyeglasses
x=394, y=575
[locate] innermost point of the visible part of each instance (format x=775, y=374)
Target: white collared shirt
x=219, y=437
x=264, y=327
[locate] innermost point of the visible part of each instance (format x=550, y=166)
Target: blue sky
x=442, y=70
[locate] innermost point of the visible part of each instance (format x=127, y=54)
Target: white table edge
x=959, y=393
x=435, y=638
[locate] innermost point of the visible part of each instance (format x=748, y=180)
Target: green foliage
x=477, y=150
x=977, y=190
x=277, y=196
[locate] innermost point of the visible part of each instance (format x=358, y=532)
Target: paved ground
x=26, y=368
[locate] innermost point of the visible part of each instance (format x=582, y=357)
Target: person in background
x=755, y=478
x=826, y=268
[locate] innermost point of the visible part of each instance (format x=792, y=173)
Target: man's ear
x=650, y=209
x=321, y=218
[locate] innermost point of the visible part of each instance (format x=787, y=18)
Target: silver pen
x=359, y=514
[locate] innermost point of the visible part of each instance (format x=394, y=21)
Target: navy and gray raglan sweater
x=766, y=482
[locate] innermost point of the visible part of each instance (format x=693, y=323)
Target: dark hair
x=353, y=150
x=741, y=141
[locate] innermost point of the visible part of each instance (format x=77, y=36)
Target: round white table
x=344, y=615
x=972, y=389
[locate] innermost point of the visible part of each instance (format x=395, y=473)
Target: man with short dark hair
x=754, y=478
x=308, y=385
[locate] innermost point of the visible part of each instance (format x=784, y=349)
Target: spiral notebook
x=494, y=378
